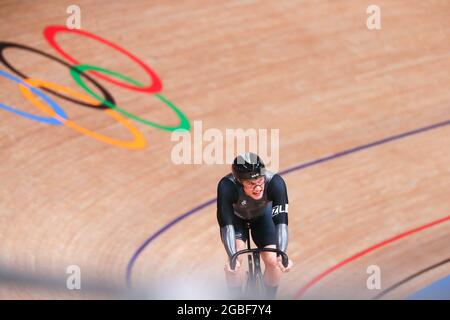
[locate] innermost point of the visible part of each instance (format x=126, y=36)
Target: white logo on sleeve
x=282, y=208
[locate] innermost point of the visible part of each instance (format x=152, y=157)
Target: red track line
x=364, y=252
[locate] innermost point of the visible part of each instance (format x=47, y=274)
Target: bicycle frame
x=255, y=283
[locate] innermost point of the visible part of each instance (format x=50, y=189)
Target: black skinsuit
x=268, y=217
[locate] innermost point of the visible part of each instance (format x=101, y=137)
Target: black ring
x=106, y=94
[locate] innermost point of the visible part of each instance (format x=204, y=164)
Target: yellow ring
x=139, y=141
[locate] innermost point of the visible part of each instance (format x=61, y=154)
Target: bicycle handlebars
x=284, y=257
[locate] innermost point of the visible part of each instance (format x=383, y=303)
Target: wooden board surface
x=311, y=69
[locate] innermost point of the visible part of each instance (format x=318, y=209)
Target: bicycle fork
x=255, y=282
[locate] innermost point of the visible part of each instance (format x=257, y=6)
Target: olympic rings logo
x=30, y=88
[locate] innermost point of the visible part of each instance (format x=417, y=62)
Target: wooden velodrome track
x=364, y=119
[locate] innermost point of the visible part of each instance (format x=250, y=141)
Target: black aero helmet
x=248, y=166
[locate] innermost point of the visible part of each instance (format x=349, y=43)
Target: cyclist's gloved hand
x=228, y=267
x=280, y=264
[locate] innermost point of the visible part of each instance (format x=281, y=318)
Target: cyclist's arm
x=226, y=194
x=277, y=192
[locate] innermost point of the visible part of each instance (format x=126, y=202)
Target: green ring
x=76, y=71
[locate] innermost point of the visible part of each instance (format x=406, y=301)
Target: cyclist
x=252, y=194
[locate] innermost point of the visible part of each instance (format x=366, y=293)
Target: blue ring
x=56, y=108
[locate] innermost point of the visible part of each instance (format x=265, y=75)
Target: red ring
x=155, y=87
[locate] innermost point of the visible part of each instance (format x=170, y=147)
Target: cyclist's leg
x=234, y=281
x=272, y=272
x=264, y=236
